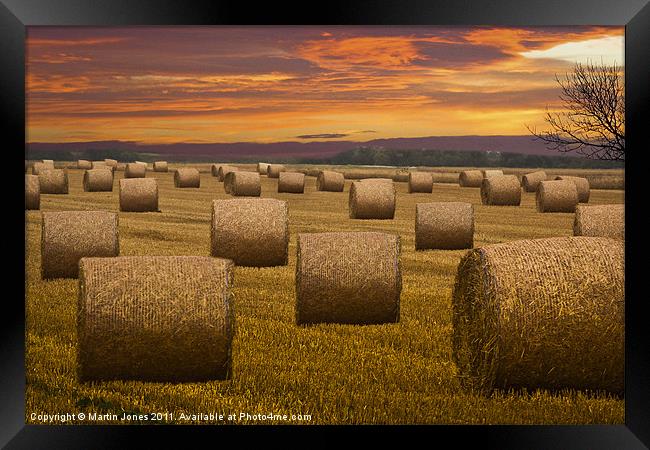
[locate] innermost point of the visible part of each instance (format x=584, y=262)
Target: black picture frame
x=15, y=15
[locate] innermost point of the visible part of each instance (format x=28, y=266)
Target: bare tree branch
x=593, y=123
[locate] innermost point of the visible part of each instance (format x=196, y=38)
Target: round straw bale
x=100, y=165
x=155, y=318
x=556, y=196
x=53, y=181
x=372, y=199
x=444, y=177
x=491, y=173
x=187, y=177
x=530, y=181
x=262, y=168
x=98, y=180
x=600, y=220
x=444, y=225
x=542, y=313
x=240, y=183
x=120, y=167
x=32, y=192
x=273, y=170
x=470, y=178
x=48, y=161
x=84, y=164
x=135, y=170
x=291, y=182
x=160, y=166
x=504, y=190
x=224, y=170
x=328, y=180
x=227, y=182
x=582, y=185
x=420, y=182
x=138, y=194
x=252, y=232
x=348, y=277
x=378, y=180
x=39, y=167
x=214, y=169
x=111, y=163
x=68, y=236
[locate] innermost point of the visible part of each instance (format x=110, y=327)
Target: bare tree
x=593, y=123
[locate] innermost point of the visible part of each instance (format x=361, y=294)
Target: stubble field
x=337, y=374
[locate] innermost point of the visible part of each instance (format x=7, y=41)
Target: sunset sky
x=270, y=84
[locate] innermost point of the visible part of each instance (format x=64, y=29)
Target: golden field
x=337, y=374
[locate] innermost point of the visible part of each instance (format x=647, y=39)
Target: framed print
x=415, y=216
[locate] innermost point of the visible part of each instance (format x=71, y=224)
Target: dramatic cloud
x=267, y=84
x=322, y=136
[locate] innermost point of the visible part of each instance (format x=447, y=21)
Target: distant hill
x=293, y=150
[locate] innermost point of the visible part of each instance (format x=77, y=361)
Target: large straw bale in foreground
x=39, y=167
x=155, y=318
x=240, y=183
x=349, y=277
x=372, y=199
x=291, y=182
x=68, y=236
x=531, y=181
x=135, y=170
x=262, y=168
x=32, y=192
x=544, y=313
x=251, y=231
x=138, y=194
x=420, y=182
x=187, y=177
x=273, y=170
x=582, y=185
x=556, y=196
x=328, y=180
x=503, y=190
x=98, y=180
x=160, y=166
x=444, y=225
x=600, y=220
x=84, y=164
x=54, y=181
x=488, y=173
x=470, y=178
x=222, y=171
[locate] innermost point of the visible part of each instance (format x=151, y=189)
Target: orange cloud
x=216, y=86
x=36, y=42
x=394, y=52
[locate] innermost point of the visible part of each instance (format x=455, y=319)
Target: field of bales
x=400, y=373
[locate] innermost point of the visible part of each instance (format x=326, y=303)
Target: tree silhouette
x=593, y=123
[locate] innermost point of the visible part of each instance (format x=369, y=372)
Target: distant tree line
x=455, y=158
x=89, y=154
x=359, y=156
